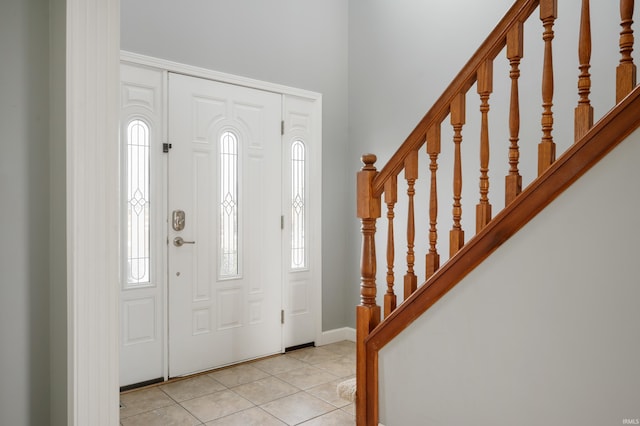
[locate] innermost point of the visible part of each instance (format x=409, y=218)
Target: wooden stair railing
x=591, y=143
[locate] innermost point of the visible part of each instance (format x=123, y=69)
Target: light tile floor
x=297, y=388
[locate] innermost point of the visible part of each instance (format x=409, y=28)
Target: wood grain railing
x=373, y=186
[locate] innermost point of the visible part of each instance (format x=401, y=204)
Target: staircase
x=377, y=326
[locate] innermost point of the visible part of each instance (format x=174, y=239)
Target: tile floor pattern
x=297, y=388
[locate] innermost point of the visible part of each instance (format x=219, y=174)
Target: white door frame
x=179, y=68
x=315, y=259
x=93, y=206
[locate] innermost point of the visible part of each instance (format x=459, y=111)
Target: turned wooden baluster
x=626, y=71
x=390, y=198
x=433, y=149
x=367, y=313
x=410, y=174
x=485, y=87
x=515, y=52
x=584, y=110
x=547, y=148
x=456, y=235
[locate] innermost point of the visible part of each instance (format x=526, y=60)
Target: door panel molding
x=228, y=184
x=303, y=289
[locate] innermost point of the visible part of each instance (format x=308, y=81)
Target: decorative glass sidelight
x=298, y=205
x=228, y=205
x=138, y=203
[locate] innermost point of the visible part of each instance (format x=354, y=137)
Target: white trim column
x=93, y=43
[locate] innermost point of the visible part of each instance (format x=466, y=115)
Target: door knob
x=179, y=242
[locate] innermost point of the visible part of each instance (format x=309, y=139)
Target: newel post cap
x=368, y=161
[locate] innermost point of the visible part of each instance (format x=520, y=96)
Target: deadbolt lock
x=178, y=220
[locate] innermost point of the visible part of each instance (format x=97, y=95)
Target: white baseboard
x=337, y=335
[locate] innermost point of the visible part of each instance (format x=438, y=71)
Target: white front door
x=225, y=237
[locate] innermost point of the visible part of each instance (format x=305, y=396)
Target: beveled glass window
x=298, y=205
x=228, y=205
x=138, y=203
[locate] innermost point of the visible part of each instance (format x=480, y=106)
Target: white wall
x=403, y=54
x=543, y=332
x=297, y=43
x=24, y=215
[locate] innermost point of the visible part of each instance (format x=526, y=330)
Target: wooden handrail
x=554, y=176
x=491, y=47
x=613, y=128
x=607, y=133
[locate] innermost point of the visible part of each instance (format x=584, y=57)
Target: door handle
x=179, y=242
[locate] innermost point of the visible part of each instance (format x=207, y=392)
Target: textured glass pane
x=298, y=206
x=228, y=205
x=138, y=237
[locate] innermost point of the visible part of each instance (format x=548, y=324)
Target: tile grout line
x=322, y=356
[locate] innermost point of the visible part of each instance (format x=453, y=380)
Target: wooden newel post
x=367, y=313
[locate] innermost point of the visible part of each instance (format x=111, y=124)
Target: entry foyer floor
x=297, y=388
